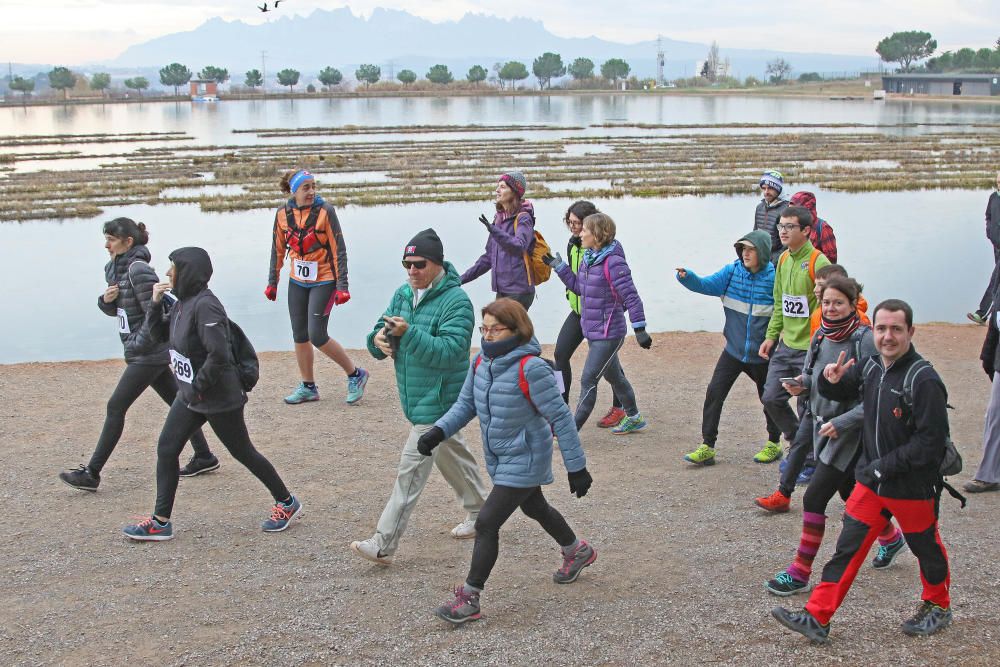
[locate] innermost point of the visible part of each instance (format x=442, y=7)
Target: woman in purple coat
x=604, y=284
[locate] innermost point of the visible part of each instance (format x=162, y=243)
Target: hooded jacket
x=197, y=329
x=993, y=220
x=505, y=252
x=135, y=279
x=747, y=298
x=820, y=233
x=766, y=218
x=517, y=433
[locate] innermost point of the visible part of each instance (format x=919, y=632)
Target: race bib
x=304, y=271
x=181, y=366
x=794, y=306
x=123, y=327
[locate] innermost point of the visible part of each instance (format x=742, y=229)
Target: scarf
x=592, y=256
x=492, y=350
x=840, y=330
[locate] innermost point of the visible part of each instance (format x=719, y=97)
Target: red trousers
x=865, y=516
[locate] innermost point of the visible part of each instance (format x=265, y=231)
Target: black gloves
x=643, y=338
x=872, y=471
x=553, y=262
x=988, y=367
x=428, y=441
x=485, y=222
x=579, y=482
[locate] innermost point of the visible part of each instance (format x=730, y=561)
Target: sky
x=79, y=31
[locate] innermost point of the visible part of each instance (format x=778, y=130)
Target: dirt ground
x=683, y=553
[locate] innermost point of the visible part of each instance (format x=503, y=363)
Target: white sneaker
x=369, y=550
x=465, y=530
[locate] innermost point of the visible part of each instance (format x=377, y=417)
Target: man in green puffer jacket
x=427, y=330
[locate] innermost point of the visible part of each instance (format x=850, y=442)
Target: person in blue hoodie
x=746, y=287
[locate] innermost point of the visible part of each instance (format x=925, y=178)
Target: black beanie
x=426, y=244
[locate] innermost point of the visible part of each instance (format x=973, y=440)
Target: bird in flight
x=276, y=3
x=264, y=8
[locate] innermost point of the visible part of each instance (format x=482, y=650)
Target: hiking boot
x=929, y=619
x=769, y=454
x=785, y=584
x=975, y=486
x=613, y=418
x=574, y=563
x=282, y=516
x=976, y=317
x=150, y=530
x=803, y=623
x=197, y=465
x=82, y=478
x=369, y=550
x=805, y=476
x=302, y=394
x=356, y=386
x=465, y=607
x=886, y=554
x=465, y=530
x=776, y=502
x=703, y=456
x=632, y=424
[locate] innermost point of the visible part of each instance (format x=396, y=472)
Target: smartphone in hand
x=795, y=382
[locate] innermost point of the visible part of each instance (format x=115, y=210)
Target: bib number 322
x=794, y=306
x=181, y=366
x=305, y=271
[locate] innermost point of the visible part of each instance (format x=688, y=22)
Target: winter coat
x=135, y=279
x=606, y=291
x=820, y=233
x=747, y=299
x=794, y=300
x=574, y=255
x=320, y=230
x=505, y=252
x=766, y=217
x=433, y=355
x=198, y=331
x=517, y=433
x=993, y=220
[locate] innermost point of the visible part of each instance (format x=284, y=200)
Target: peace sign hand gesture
x=834, y=373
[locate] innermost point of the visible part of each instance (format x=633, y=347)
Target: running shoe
x=785, y=584
x=977, y=486
x=82, y=478
x=887, y=554
x=632, y=424
x=302, y=394
x=976, y=317
x=804, y=623
x=929, y=619
x=574, y=563
x=150, y=530
x=356, y=386
x=282, y=516
x=465, y=530
x=370, y=550
x=613, y=418
x=703, y=456
x=805, y=476
x=464, y=608
x=197, y=466
x=769, y=454
x=776, y=502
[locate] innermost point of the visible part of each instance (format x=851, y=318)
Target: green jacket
x=433, y=356
x=575, y=256
x=792, y=282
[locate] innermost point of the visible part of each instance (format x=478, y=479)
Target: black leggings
x=305, y=308
x=825, y=482
x=499, y=505
x=133, y=382
x=232, y=431
x=525, y=299
x=570, y=337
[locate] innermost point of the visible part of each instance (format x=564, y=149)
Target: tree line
x=911, y=46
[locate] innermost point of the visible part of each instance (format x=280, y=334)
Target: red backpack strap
x=522, y=380
x=475, y=364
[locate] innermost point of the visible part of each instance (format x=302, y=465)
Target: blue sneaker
x=302, y=394
x=356, y=386
x=805, y=476
x=631, y=424
x=282, y=516
x=150, y=530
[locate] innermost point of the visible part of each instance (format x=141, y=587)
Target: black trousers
x=525, y=299
x=305, y=308
x=986, y=303
x=499, y=506
x=570, y=338
x=826, y=482
x=134, y=381
x=727, y=369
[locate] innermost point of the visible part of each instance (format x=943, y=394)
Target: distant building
x=942, y=84
x=204, y=90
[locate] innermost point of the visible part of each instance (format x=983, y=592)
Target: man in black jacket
x=993, y=234
x=897, y=474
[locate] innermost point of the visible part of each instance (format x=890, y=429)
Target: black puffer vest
x=135, y=279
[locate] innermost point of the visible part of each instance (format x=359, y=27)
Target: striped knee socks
x=889, y=534
x=813, y=526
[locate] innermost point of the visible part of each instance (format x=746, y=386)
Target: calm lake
x=928, y=247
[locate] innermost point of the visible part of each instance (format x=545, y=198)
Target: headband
x=298, y=179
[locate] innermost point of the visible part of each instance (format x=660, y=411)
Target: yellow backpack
x=538, y=271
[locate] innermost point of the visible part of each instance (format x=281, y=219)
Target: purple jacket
x=505, y=252
x=606, y=291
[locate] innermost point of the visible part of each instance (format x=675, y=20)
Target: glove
x=643, y=338
x=553, y=262
x=428, y=441
x=988, y=367
x=579, y=482
x=338, y=298
x=872, y=472
x=271, y=292
x=485, y=222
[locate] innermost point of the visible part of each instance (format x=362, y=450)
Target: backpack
x=812, y=262
x=538, y=271
x=522, y=380
x=244, y=357
x=951, y=464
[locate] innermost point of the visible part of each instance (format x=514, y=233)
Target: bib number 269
x=181, y=367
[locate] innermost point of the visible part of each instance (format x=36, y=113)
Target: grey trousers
x=785, y=362
x=989, y=467
x=602, y=361
x=458, y=467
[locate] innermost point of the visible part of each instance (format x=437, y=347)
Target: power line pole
x=660, y=61
x=263, y=72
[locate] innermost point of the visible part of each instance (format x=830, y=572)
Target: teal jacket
x=433, y=355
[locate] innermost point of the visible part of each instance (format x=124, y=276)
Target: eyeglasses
x=489, y=331
x=787, y=228
x=419, y=264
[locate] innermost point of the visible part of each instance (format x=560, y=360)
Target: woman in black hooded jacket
x=130, y=281
x=210, y=390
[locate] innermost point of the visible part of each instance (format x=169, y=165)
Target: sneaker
x=703, y=456
x=785, y=584
x=805, y=476
x=771, y=453
x=976, y=317
x=369, y=550
x=302, y=394
x=929, y=619
x=282, y=516
x=613, y=418
x=574, y=563
x=465, y=607
x=83, y=478
x=196, y=466
x=975, y=486
x=776, y=502
x=804, y=623
x=465, y=530
x=356, y=386
x=886, y=554
x=628, y=424
x=150, y=530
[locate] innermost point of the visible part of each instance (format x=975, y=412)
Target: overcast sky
x=77, y=31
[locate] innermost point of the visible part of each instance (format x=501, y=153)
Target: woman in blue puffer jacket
x=515, y=395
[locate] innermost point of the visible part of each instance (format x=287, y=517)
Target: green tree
x=439, y=74
x=406, y=76
x=906, y=47
x=368, y=74
x=513, y=71
x=288, y=77
x=547, y=67
x=942, y=63
x=253, y=79
x=330, y=76
x=476, y=74
x=582, y=68
x=137, y=84
x=175, y=75
x=213, y=73
x=778, y=70
x=615, y=69
x=25, y=86
x=964, y=58
x=984, y=58
x=100, y=81
x=808, y=77
x=60, y=78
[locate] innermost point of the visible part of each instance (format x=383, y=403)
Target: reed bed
x=10, y=141
x=398, y=129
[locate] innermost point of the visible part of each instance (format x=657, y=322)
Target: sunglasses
x=419, y=264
